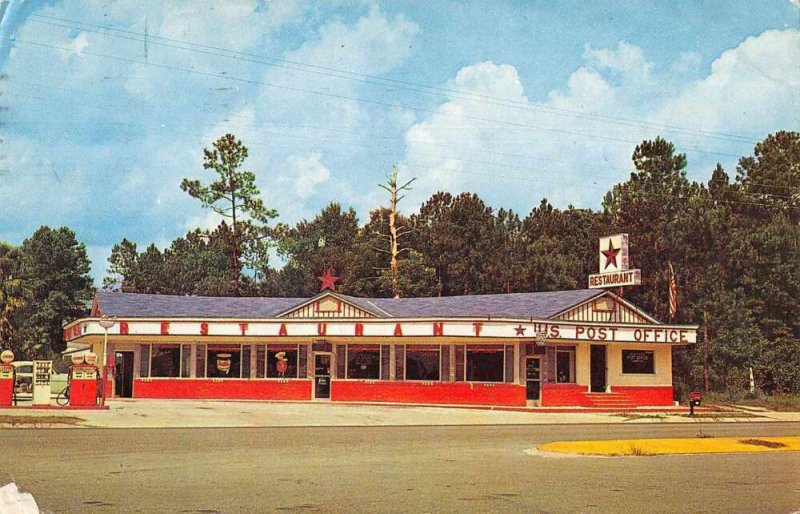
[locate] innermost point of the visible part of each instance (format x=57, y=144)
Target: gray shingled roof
x=515, y=305
x=134, y=305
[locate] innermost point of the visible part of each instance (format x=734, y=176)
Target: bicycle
x=63, y=397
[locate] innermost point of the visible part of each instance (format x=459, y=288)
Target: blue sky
x=512, y=100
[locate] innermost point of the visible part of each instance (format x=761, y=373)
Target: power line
x=339, y=142
x=373, y=79
x=225, y=76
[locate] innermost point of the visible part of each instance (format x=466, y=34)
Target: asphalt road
x=391, y=469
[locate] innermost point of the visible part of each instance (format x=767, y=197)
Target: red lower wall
x=455, y=393
x=646, y=395
x=223, y=389
x=564, y=395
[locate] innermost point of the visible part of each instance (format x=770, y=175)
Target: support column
x=392, y=362
x=452, y=363
x=193, y=361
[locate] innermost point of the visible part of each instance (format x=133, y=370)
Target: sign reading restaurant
x=614, y=264
x=412, y=328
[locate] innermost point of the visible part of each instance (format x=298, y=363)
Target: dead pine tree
x=395, y=234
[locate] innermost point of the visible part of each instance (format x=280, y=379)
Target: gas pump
x=83, y=381
x=7, y=378
x=41, y=382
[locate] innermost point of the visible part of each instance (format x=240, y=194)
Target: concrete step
x=609, y=400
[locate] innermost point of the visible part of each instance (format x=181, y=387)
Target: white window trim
x=572, y=365
x=347, y=362
x=466, y=369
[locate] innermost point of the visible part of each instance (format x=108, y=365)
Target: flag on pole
x=673, y=293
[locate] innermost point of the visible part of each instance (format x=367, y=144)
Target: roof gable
x=329, y=305
x=607, y=307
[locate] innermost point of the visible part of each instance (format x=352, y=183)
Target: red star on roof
x=328, y=280
x=520, y=330
x=611, y=254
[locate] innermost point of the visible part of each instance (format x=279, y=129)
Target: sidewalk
x=210, y=414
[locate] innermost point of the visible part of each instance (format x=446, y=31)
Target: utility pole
x=705, y=351
x=395, y=235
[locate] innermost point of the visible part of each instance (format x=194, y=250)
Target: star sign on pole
x=520, y=330
x=328, y=280
x=611, y=255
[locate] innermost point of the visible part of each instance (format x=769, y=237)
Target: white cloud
x=627, y=59
x=574, y=146
x=308, y=173
x=752, y=89
x=686, y=62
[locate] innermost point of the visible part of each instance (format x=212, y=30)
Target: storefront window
x=224, y=361
x=281, y=361
x=638, y=361
x=485, y=363
x=364, y=361
x=422, y=362
x=565, y=365
x=165, y=360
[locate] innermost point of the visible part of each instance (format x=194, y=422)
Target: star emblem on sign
x=520, y=330
x=611, y=255
x=328, y=280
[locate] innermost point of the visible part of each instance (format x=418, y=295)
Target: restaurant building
x=581, y=348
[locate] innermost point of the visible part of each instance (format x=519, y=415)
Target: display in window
x=224, y=362
x=363, y=361
x=281, y=361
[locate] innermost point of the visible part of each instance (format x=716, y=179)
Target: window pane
x=638, y=361
x=422, y=362
x=224, y=361
x=565, y=364
x=165, y=360
x=200, y=361
x=245, y=361
x=281, y=361
x=364, y=361
x=485, y=363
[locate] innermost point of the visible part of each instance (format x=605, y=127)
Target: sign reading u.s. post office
x=614, y=264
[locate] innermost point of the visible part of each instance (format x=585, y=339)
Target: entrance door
x=322, y=375
x=533, y=378
x=598, y=364
x=123, y=374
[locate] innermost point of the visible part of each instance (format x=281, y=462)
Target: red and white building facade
x=582, y=348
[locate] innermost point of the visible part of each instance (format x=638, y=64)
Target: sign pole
x=705, y=351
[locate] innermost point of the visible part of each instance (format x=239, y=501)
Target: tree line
x=734, y=243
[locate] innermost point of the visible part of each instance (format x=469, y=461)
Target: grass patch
x=762, y=442
x=635, y=415
x=636, y=451
x=722, y=414
x=39, y=420
x=776, y=402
